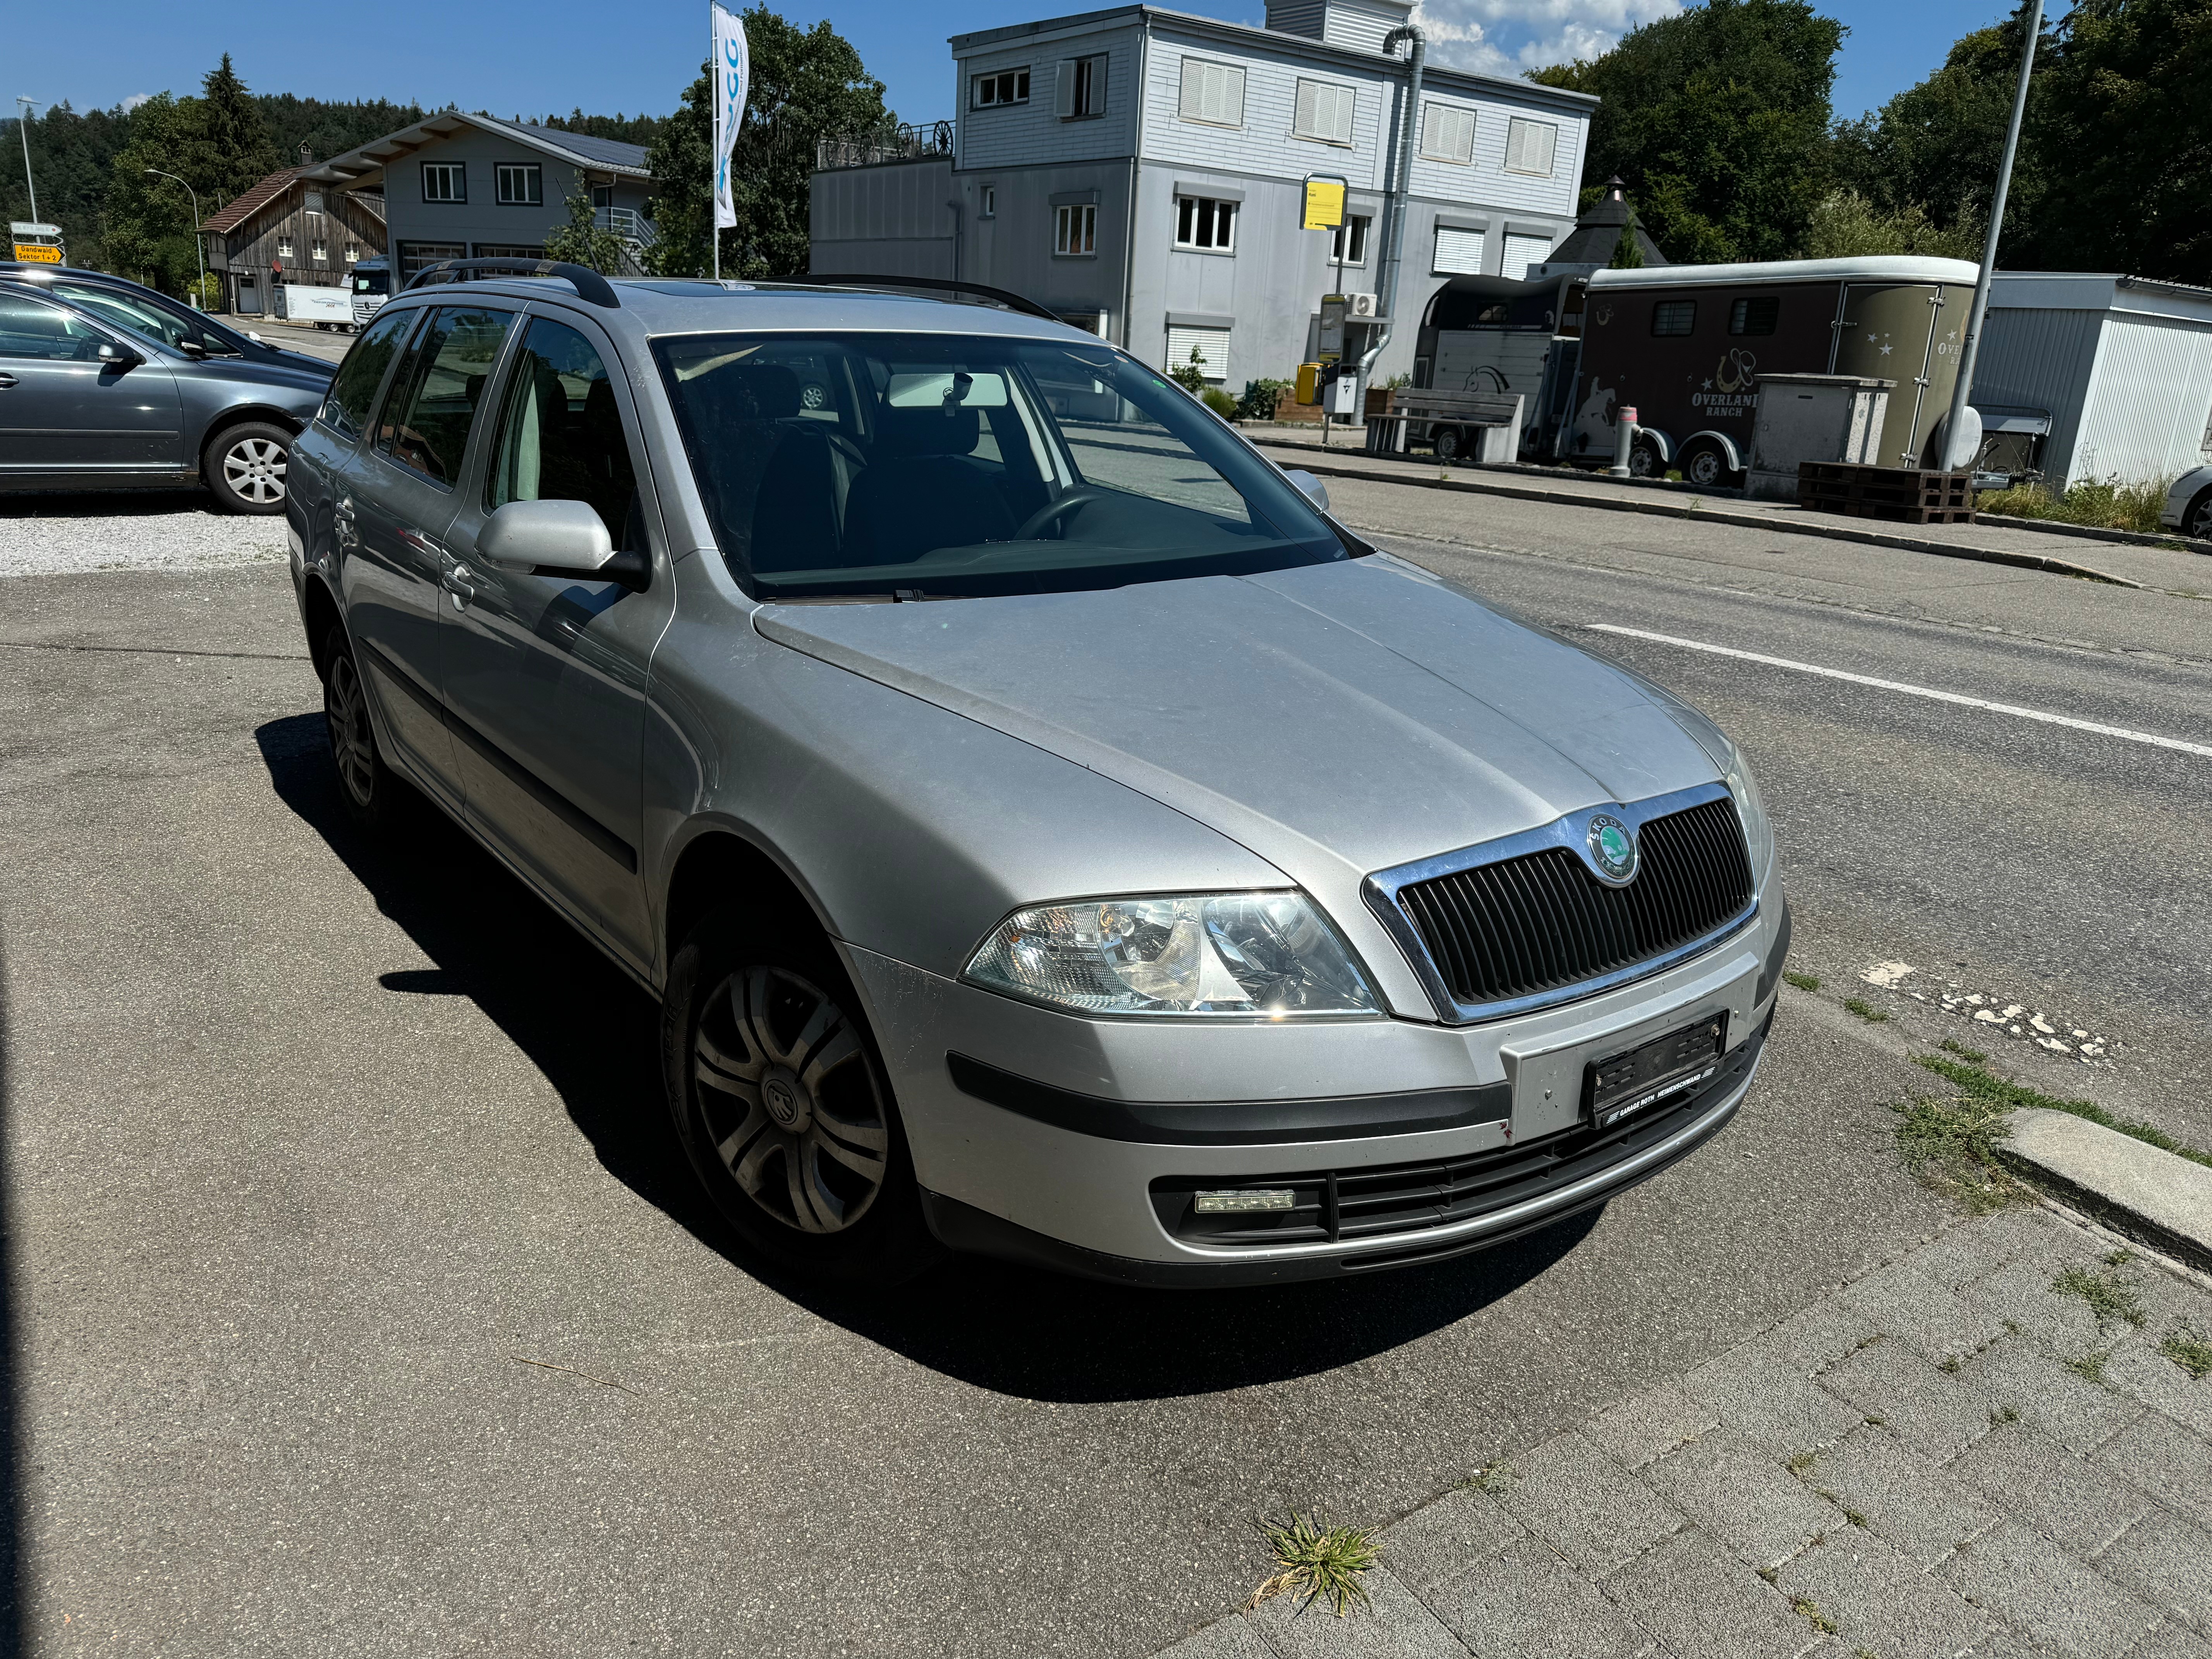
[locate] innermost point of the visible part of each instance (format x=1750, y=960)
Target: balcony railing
x=627, y=224
x=911, y=142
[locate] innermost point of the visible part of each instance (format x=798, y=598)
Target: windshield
x=947, y=465
x=372, y=282
x=142, y=314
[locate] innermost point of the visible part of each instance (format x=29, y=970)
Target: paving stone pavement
x=1951, y=1458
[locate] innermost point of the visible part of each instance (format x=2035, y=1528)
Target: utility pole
x=199, y=294
x=1963, y=387
x=23, y=126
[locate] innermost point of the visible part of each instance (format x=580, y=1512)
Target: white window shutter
x=1232, y=96
x=1302, y=122
x=1459, y=253
x=1098, y=104
x=1521, y=252
x=1063, y=95
x=1192, y=106
x=1339, y=125
x=1461, y=144
x=1432, y=121
x=1528, y=146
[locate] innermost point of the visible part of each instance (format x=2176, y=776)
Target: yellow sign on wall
x=38, y=253
x=1324, y=204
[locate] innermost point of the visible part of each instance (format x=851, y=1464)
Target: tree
x=584, y=241
x=148, y=220
x=2123, y=143
x=74, y=156
x=329, y=128
x=230, y=149
x=807, y=85
x=1717, y=119
x=1845, y=225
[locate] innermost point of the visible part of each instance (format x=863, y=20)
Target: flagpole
x=714, y=86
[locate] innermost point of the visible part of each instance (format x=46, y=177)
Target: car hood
x=1361, y=715
x=285, y=371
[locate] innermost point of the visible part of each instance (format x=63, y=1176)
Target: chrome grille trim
x=1480, y=960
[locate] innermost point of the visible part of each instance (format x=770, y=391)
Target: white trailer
x=311, y=303
x=2116, y=371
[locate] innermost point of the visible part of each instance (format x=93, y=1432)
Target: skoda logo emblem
x=1612, y=849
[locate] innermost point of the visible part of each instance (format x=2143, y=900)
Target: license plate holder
x=1638, y=1079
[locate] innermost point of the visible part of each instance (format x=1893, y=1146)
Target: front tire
x=780, y=1099
x=245, y=467
x=2197, y=521
x=1449, y=443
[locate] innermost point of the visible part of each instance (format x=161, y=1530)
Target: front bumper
x=1045, y=1137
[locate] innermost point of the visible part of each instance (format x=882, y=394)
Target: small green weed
x=1492, y=1479
x=1768, y=1574
x=2186, y=1349
x=1812, y=1615
x=1802, y=981
x=1854, y=1517
x=1979, y=1084
x=2091, y=1365
x=1950, y=1145
x=1319, y=1562
x=1877, y=1422
x=2005, y=1414
x=1866, y=1011
x=2100, y=503
x=1799, y=1464
x=2111, y=1296
x=1971, y=1056
x=1951, y=1363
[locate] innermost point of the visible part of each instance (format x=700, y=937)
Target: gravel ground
x=167, y=530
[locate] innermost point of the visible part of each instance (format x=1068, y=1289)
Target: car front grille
x=1351, y=1206
x=1540, y=921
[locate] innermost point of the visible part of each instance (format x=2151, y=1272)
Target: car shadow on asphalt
x=1012, y=1329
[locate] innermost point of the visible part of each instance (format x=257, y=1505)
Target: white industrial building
x=2115, y=371
x=1141, y=171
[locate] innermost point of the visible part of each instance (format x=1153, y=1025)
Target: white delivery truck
x=309, y=302
x=372, y=287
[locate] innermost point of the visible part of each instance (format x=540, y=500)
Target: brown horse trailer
x=1684, y=345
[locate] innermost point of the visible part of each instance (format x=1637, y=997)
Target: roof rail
x=588, y=283
x=1012, y=301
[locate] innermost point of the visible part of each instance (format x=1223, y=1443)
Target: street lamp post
x=23, y=126
x=199, y=250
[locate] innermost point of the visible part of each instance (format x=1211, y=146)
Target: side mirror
x=193, y=349
x=1315, y=491
x=556, y=539
x=118, y=357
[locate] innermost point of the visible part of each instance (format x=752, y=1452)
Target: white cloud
x=1503, y=37
x=137, y=99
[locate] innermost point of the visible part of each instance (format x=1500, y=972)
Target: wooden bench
x=1491, y=420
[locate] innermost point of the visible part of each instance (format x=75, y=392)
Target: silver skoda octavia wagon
x=1048, y=831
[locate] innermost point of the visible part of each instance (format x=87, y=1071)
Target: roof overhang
x=379, y=153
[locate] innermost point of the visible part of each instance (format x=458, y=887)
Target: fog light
x=1255, y=1198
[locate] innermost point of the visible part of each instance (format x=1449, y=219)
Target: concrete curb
x=2172, y=540
x=2135, y=1189
x=1696, y=508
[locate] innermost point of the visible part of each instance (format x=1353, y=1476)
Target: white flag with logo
x=732, y=70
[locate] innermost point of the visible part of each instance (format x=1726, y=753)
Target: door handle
x=6, y=379
x=454, y=578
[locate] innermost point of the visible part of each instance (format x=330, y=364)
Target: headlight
x=1758, y=834
x=1265, y=954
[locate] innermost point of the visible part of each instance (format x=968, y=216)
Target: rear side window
x=345, y=411
x=30, y=328
x=1755, y=315
x=438, y=390
x=560, y=434
x=1674, y=317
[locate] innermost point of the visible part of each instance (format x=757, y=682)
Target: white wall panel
x=2148, y=405
x=1028, y=135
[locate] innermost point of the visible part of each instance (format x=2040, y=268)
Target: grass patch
x=1812, y=1615
x=2111, y=1296
x=1802, y=981
x=1318, y=1562
x=1951, y=1363
x=2101, y=504
x=1950, y=1145
x=1493, y=1479
x=2091, y=1365
x=2188, y=1350
x=2005, y=1414
x=1856, y=1518
x=1971, y=1056
x=1977, y=1084
x=1866, y=1011
x=1800, y=1464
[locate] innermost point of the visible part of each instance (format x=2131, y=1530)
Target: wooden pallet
x=1901, y=494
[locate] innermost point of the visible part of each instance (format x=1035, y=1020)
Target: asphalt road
x=361, y=1306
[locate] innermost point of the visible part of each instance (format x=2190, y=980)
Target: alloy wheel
x=255, y=470
x=1704, y=468
x=353, y=745
x=790, y=1100
x=2200, y=521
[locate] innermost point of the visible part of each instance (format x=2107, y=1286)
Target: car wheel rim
x=1704, y=468
x=2203, y=526
x=255, y=470
x=345, y=711
x=789, y=1100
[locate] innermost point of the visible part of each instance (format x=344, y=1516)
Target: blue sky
x=558, y=54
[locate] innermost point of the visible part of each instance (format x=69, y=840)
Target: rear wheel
x=245, y=467
x=369, y=788
x=782, y=1103
x=1449, y=443
x=1704, y=463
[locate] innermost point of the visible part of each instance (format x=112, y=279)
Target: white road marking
x=1960, y=698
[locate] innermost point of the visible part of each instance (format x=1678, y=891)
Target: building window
x=519, y=184
x=1447, y=134
x=990, y=209
x=1207, y=347
x=603, y=195
x=1082, y=89
x=1522, y=251
x=1675, y=317
x=445, y=181
x=415, y=257
x=1213, y=93
x=353, y=253
x=1007, y=86
x=507, y=251
x=1323, y=110
x=1075, y=228
x=1759, y=316
x=1347, y=243
x=1459, y=253
x=315, y=202
x=319, y=251
x=1529, y=146
x=1201, y=222
x=283, y=248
